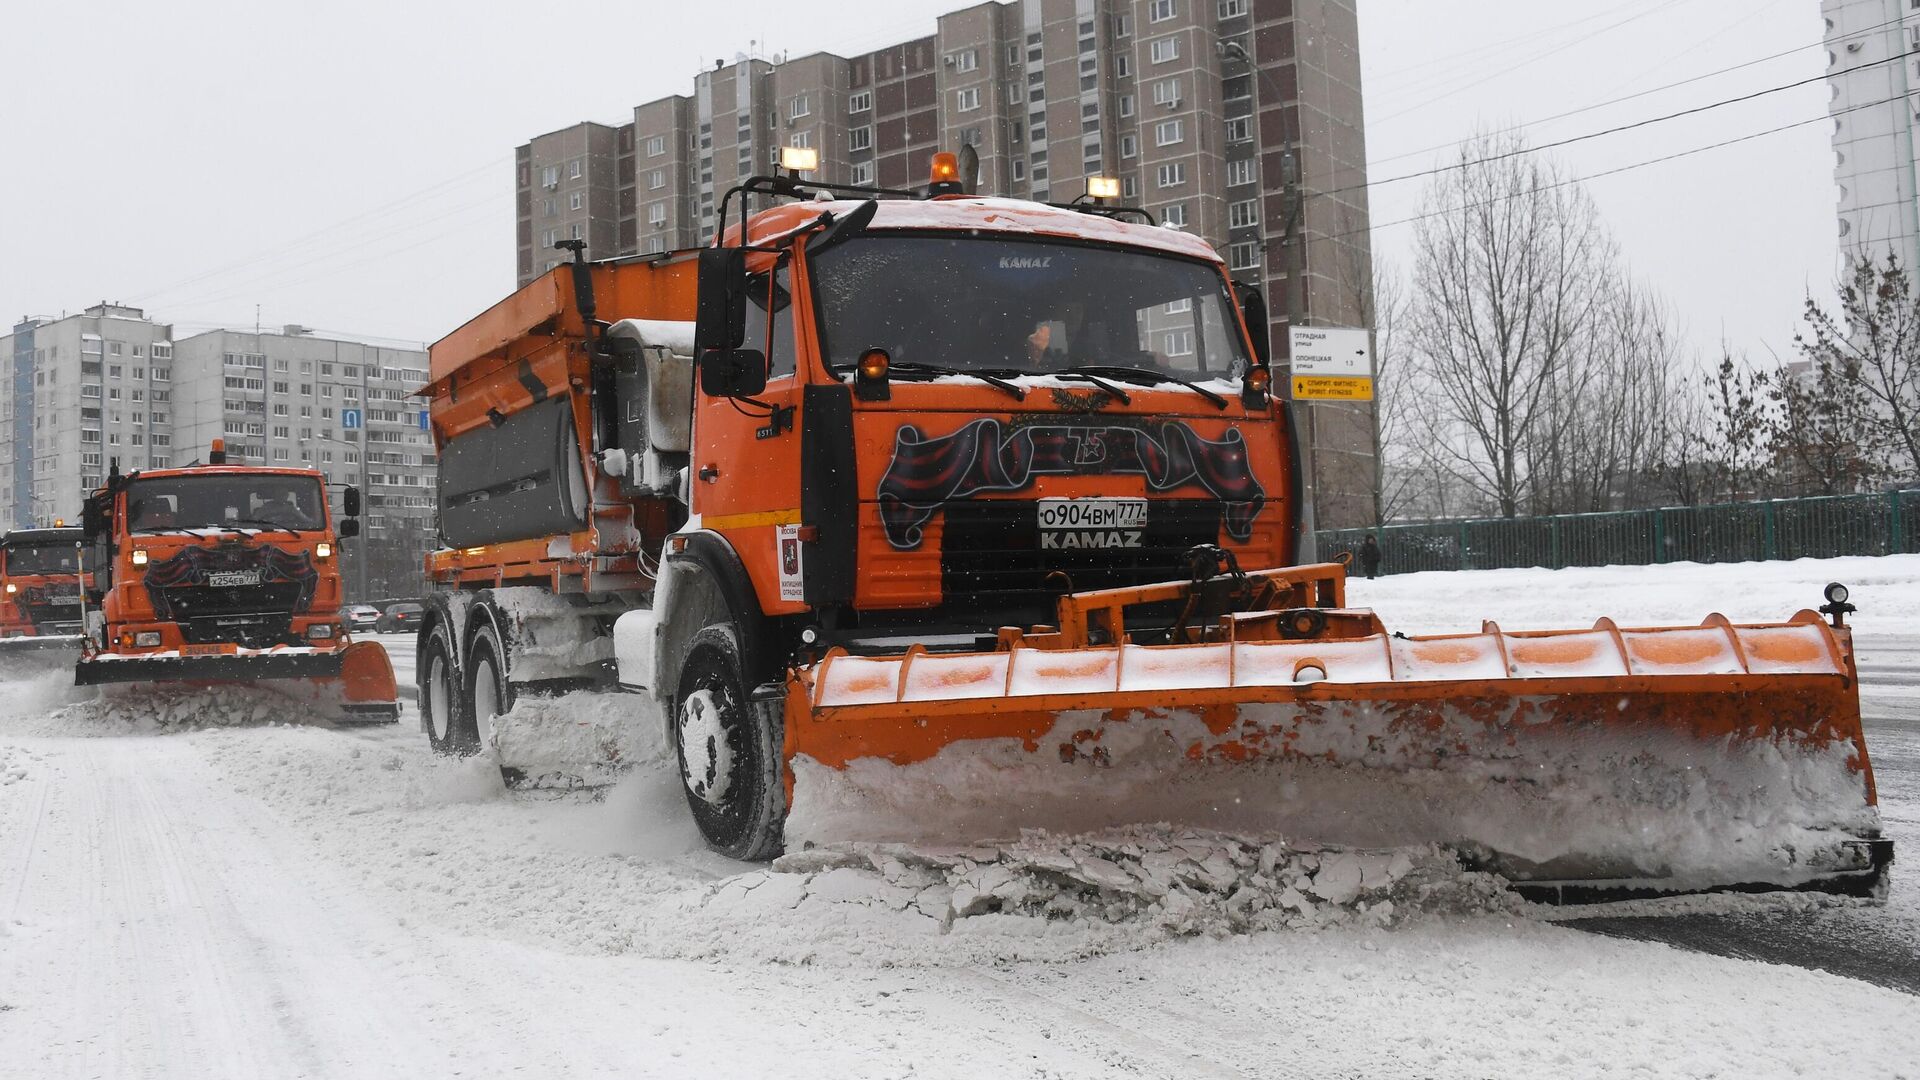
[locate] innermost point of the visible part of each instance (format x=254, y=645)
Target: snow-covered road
x=306, y=901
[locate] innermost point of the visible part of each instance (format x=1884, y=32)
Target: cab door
x=745, y=467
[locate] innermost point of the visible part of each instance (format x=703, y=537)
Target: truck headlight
x=139, y=557
x=323, y=550
x=12, y=588
x=321, y=631
x=147, y=639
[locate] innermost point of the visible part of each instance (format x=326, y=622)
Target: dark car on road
x=400, y=617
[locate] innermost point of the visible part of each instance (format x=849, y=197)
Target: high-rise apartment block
x=1199, y=107
x=1876, y=125
x=112, y=385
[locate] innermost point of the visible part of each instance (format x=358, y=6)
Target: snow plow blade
x=40, y=643
x=1582, y=765
x=357, y=679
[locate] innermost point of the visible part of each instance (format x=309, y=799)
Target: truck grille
x=991, y=551
x=251, y=616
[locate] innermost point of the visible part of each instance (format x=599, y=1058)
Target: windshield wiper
x=911, y=367
x=1140, y=376
x=260, y=524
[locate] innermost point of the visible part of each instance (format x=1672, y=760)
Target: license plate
x=63, y=598
x=220, y=579
x=1080, y=524
x=206, y=650
x=1093, y=513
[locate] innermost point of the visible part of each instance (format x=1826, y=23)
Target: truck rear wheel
x=443, y=714
x=488, y=692
x=728, y=747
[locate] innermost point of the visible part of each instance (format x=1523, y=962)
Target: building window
x=1179, y=343
x=1160, y=11
x=657, y=213
x=970, y=136
x=800, y=138
x=1164, y=49
x=1240, y=172
x=1122, y=66
x=1174, y=214
x=1166, y=92
x=1239, y=129
x=1243, y=213
x=579, y=169
x=1173, y=175
x=1168, y=132
x=1243, y=256
x=860, y=138
x=1126, y=104
x=1019, y=170
x=1122, y=26
x=965, y=60
x=656, y=145
x=802, y=105
x=1232, y=8
x=967, y=100
x=578, y=200
x=1129, y=146
x=1180, y=306
x=863, y=173
x=860, y=102
x=656, y=179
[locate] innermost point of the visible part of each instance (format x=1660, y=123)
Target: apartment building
x=1876, y=125
x=299, y=399
x=1201, y=108
x=85, y=389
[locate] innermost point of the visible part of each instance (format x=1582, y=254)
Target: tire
x=728, y=749
x=488, y=692
x=443, y=713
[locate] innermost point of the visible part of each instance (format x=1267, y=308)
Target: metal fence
x=1880, y=524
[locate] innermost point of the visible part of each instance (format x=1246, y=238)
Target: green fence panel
x=1817, y=528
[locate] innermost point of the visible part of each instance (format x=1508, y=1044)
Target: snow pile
x=580, y=740
x=1175, y=883
x=28, y=698
x=149, y=708
x=14, y=762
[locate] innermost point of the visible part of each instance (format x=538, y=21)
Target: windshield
x=232, y=501
x=51, y=559
x=1023, y=305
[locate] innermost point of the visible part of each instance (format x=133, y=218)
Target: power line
x=1604, y=173
x=1615, y=130
x=264, y=254
x=1658, y=89
x=1432, y=98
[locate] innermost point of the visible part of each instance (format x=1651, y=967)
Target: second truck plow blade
x=1600, y=763
x=358, y=680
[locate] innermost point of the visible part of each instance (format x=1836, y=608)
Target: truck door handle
x=709, y=473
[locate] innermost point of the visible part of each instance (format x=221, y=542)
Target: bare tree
x=1820, y=424
x=1870, y=351
x=1739, y=421
x=1512, y=267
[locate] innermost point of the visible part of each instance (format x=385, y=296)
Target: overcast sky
x=347, y=165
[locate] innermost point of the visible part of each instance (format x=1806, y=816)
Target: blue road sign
x=350, y=419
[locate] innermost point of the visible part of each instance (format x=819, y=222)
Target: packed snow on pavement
x=244, y=891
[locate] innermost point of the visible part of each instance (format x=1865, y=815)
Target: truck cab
x=40, y=586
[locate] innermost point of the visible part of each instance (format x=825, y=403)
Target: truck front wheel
x=729, y=751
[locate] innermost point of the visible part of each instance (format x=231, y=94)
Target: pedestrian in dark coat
x=1370, y=557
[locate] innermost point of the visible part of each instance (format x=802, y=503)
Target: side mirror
x=347, y=528
x=844, y=228
x=720, y=320
x=93, y=517
x=733, y=373
x=1253, y=307
x=350, y=503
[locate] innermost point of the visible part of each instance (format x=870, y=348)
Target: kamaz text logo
x=1025, y=262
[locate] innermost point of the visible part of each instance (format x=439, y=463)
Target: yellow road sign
x=1332, y=388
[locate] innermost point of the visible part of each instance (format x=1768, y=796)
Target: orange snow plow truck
x=223, y=574
x=934, y=518
x=40, y=590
